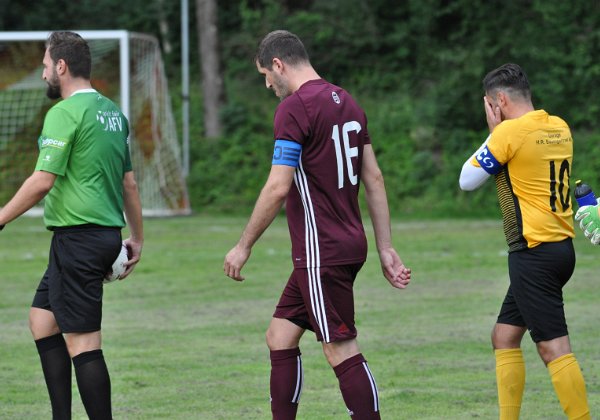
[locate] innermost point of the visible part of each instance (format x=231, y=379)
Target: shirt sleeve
x=56, y=141
x=502, y=146
x=286, y=153
x=291, y=121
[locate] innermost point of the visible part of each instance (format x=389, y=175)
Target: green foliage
x=416, y=66
x=227, y=173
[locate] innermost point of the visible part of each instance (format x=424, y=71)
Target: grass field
x=182, y=341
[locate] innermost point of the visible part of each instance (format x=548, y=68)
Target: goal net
x=126, y=67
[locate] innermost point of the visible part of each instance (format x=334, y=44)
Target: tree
x=212, y=83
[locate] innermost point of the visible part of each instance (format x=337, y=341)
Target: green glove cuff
x=591, y=222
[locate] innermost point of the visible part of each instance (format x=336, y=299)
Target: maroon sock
x=358, y=388
x=286, y=383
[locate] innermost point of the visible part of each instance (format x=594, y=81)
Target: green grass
x=182, y=341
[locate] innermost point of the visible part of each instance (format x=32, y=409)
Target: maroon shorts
x=321, y=300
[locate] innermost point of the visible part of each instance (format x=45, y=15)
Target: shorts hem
x=551, y=337
x=78, y=330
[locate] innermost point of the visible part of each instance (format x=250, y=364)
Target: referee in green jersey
x=84, y=172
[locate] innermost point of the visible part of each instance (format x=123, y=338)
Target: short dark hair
x=74, y=50
x=509, y=77
x=283, y=45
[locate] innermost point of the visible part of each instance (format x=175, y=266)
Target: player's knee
x=553, y=349
x=495, y=339
x=506, y=336
x=78, y=343
x=547, y=353
x=271, y=339
x=41, y=325
x=34, y=328
x=332, y=357
x=337, y=352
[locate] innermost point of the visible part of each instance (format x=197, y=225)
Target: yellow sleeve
x=505, y=141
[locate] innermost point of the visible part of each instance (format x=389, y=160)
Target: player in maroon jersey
x=322, y=151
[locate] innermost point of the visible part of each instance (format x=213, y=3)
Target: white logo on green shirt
x=53, y=143
x=110, y=120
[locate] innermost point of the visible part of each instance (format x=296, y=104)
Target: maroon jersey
x=322, y=209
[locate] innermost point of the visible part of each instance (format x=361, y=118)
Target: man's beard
x=53, y=91
x=280, y=88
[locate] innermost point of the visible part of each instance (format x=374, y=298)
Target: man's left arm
x=31, y=192
x=267, y=206
x=133, y=212
x=392, y=266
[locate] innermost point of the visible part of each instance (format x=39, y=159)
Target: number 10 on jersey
x=349, y=152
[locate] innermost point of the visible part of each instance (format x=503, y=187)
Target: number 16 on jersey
x=349, y=152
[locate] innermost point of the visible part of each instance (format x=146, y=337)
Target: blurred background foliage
x=415, y=66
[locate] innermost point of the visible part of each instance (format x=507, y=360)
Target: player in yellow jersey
x=530, y=154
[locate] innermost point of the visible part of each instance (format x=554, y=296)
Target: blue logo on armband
x=286, y=153
x=488, y=162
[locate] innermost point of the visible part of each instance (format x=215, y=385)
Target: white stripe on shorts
x=313, y=260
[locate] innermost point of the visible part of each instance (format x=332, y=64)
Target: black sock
x=94, y=384
x=56, y=364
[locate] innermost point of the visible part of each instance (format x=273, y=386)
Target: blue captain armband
x=488, y=162
x=287, y=153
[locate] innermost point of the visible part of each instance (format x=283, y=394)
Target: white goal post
x=126, y=67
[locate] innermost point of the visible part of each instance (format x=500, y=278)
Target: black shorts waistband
x=78, y=228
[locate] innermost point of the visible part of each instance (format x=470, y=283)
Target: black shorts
x=71, y=287
x=321, y=300
x=534, y=298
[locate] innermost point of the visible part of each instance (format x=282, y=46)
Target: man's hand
x=393, y=269
x=134, y=251
x=492, y=114
x=234, y=261
x=589, y=222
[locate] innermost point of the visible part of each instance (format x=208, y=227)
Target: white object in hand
x=118, y=267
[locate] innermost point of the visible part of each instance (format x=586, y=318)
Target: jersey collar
x=83, y=91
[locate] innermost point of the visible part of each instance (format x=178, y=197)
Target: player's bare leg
x=78, y=343
x=56, y=363
x=339, y=351
x=287, y=377
x=356, y=381
x=510, y=369
x=505, y=336
x=283, y=334
x=553, y=349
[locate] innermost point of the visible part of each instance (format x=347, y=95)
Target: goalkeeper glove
x=589, y=222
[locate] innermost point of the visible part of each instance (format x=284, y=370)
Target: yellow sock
x=569, y=386
x=510, y=377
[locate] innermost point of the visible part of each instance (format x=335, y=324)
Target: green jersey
x=84, y=142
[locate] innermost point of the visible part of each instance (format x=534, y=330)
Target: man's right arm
x=133, y=213
x=391, y=264
x=268, y=204
x=31, y=192
x=471, y=176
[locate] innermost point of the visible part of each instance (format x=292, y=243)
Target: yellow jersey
x=531, y=158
